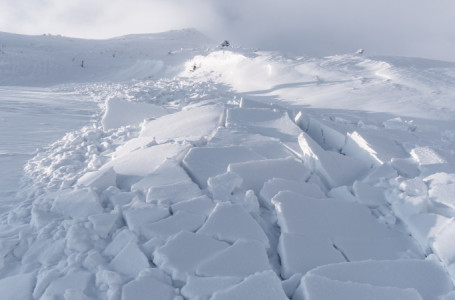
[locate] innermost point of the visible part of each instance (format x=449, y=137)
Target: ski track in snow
x=245, y=178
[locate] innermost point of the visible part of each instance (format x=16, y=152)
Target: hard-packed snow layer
x=247, y=176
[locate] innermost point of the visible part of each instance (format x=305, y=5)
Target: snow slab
x=300, y=254
x=18, y=287
x=221, y=225
x=260, y=286
x=256, y=173
x=173, y=193
x=335, y=169
x=426, y=226
x=147, y=287
x=77, y=203
x=443, y=193
x=325, y=218
x=205, y=162
x=74, y=280
x=368, y=195
x=120, y=112
x=427, y=277
x=184, y=252
x=130, y=260
x=169, y=172
x=201, y=288
x=120, y=239
x=275, y=185
x=101, y=179
x=313, y=287
x=243, y=258
x=137, y=216
x=144, y=161
x=222, y=186
x=103, y=224
x=191, y=125
x=405, y=167
x=180, y=221
x=200, y=205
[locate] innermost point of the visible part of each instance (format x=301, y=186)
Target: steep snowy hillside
x=222, y=173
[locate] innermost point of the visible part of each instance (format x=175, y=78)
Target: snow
x=256, y=175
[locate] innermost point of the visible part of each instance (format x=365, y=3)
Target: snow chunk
x=426, y=226
x=443, y=245
x=201, y=288
x=119, y=241
x=120, y=112
x=255, y=173
x=399, y=124
x=75, y=280
x=169, y=172
x=368, y=194
x=79, y=203
x=130, y=260
x=243, y=258
x=200, y=205
x=414, y=187
x=405, y=167
x=182, y=253
x=137, y=217
x=222, y=186
x=342, y=193
x=144, y=161
x=231, y=222
x=427, y=277
x=300, y=253
x=426, y=156
x=191, y=124
x=406, y=207
x=147, y=287
x=443, y=194
x=18, y=287
x=173, y=193
x=180, y=221
x=357, y=146
x=313, y=287
x=275, y=185
x=335, y=169
x=100, y=180
x=203, y=163
x=260, y=286
x=103, y=223
x=325, y=218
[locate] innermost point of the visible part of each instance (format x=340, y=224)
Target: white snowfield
x=225, y=173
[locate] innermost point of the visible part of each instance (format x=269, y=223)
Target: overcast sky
x=423, y=28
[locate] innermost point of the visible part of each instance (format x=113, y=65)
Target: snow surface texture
x=232, y=174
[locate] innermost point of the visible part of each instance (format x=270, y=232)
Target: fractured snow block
x=443, y=244
x=396, y=246
x=147, y=287
x=183, y=252
x=173, y=193
x=229, y=222
x=18, y=287
x=120, y=239
x=260, y=286
x=426, y=156
x=426, y=226
x=130, y=260
x=313, y=287
x=335, y=169
x=144, y=161
x=202, y=205
x=243, y=258
x=223, y=185
x=406, y=207
x=103, y=224
x=203, y=163
x=443, y=193
x=405, y=167
x=325, y=218
x=138, y=216
x=342, y=193
x=79, y=203
x=191, y=124
x=201, y=288
x=368, y=194
x=381, y=173
x=255, y=173
x=427, y=277
x=169, y=172
x=268, y=122
x=180, y=221
x=121, y=199
x=291, y=284
x=299, y=253
x=329, y=138
x=275, y=185
x=73, y=280
x=101, y=179
x=414, y=187
x=120, y=112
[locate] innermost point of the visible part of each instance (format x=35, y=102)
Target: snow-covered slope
x=239, y=175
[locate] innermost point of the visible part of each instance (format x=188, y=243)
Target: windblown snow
x=171, y=168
